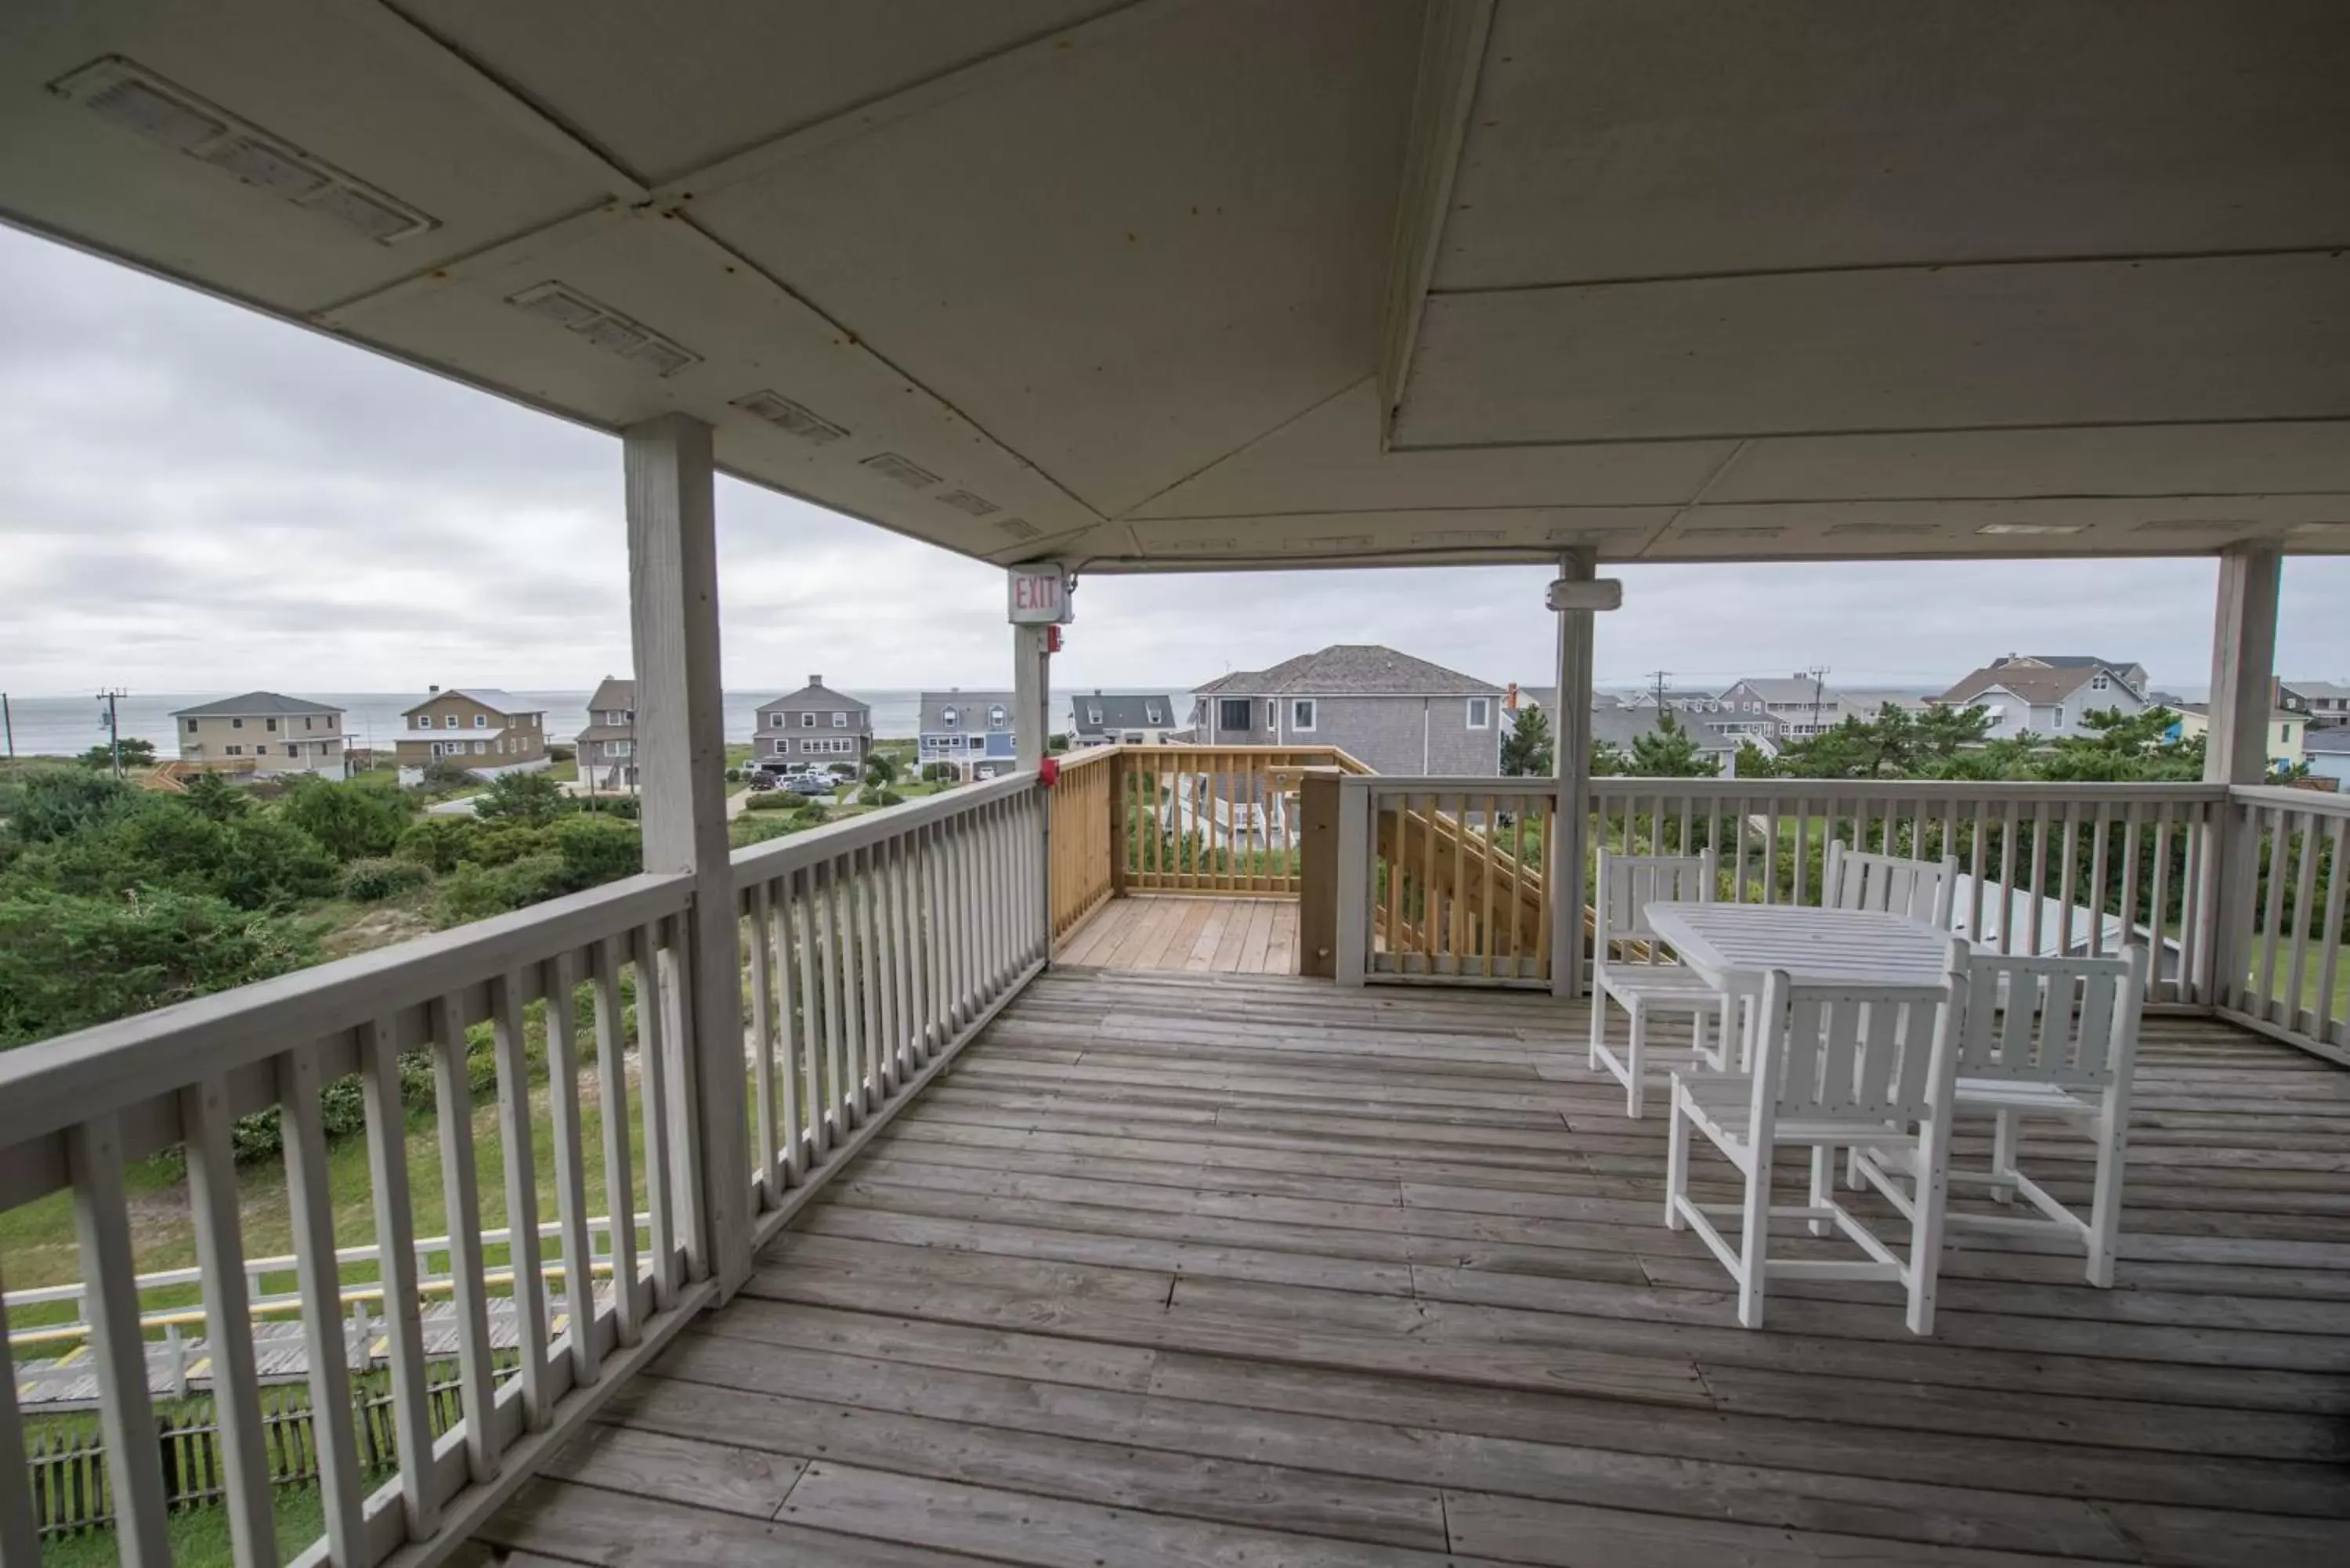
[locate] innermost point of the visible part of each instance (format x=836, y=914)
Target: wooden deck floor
x=1176, y=1269
x=1182, y=932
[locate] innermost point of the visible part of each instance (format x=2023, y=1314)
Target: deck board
x=1187, y=933
x=1186, y=1267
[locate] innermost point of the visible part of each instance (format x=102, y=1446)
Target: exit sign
x=1038, y=594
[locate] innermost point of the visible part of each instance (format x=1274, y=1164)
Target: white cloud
x=195, y=498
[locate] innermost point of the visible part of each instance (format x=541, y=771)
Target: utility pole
x=9, y=724
x=1819, y=675
x=1659, y=677
x=113, y=725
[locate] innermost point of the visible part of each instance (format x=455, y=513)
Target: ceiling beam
x=1451, y=54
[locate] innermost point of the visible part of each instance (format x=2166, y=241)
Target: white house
x=2046, y=694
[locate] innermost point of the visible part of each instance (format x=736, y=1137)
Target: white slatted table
x=1816, y=947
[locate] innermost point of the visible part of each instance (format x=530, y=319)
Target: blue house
x=972, y=730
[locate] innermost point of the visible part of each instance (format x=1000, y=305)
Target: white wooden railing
x=598, y=973
x=872, y=951
x=2082, y=867
x=1441, y=880
x=877, y=947
x=2282, y=967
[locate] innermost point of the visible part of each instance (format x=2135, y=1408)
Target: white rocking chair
x=1887, y=884
x=1637, y=978
x=1842, y=1066
x=2043, y=1037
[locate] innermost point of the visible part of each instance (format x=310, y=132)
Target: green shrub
x=69, y=961
x=43, y=804
x=875, y=794
x=746, y=830
x=596, y=849
x=441, y=775
x=938, y=773
x=774, y=800
x=382, y=878
x=532, y=797
x=439, y=842
x=475, y=892
x=353, y=821
x=627, y=807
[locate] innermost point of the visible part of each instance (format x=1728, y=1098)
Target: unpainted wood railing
x=1217, y=820
x=1084, y=874
x=1456, y=887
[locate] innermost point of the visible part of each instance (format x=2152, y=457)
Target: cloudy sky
x=193, y=498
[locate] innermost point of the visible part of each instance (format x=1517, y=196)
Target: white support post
x=1032, y=712
x=681, y=730
x=1571, y=765
x=2243, y=694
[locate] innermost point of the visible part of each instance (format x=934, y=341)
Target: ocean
x=68, y=725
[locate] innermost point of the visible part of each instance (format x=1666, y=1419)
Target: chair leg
x=1822, y=1185
x=1754, y=1243
x=1676, y=1162
x=1636, y=1064
x=1852, y=1176
x=1932, y=1196
x=2105, y=1203
x=2003, y=1158
x=1599, y=1022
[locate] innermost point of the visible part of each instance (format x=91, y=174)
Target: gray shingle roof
x=254, y=705
x=2040, y=688
x=490, y=697
x=2317, y=687
x=613, y=695
x=816, y=691
x=2330, y=742
x=971, y=709
x=1351, y=669
x=1125, y=713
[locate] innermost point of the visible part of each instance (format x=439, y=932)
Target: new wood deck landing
x=1178, y=1270
x=1187, y=932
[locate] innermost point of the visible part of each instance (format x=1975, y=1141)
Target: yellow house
x=261, y=733
x=479, y=728
x=2284, y=732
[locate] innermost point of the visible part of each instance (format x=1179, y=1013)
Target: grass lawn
x=37, y=1237
x=199, y=1536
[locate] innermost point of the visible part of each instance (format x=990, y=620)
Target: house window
x=977, y=742
x=840, y=720
x=480, y=748
x=192, y=726
x=449, y=723
x=1301, y=712
x=995, y=717
x=236, y=750
x=1480, y=713
x=1272, y=714
x=273, y=725
x=2097, y=683
x=947, y=716
x=293, y=749
x=236, y=724
x=807, y=720
x=481, y=720
x=775, y=721
x=2060, y=715
x=1093, y=717
x=1149, y=716
x=1232, y=713
x=780, y=744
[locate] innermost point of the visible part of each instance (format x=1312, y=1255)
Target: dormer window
x=1150, y=715
x=1093, y=716
x=949, y=716
x=2097, y=683
x=995, y=717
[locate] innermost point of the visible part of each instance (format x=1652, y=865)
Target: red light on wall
x=1052, y=639
x=1048, y=771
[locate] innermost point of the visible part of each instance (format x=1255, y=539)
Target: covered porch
x=842, y=1224
x=1219, y=1268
